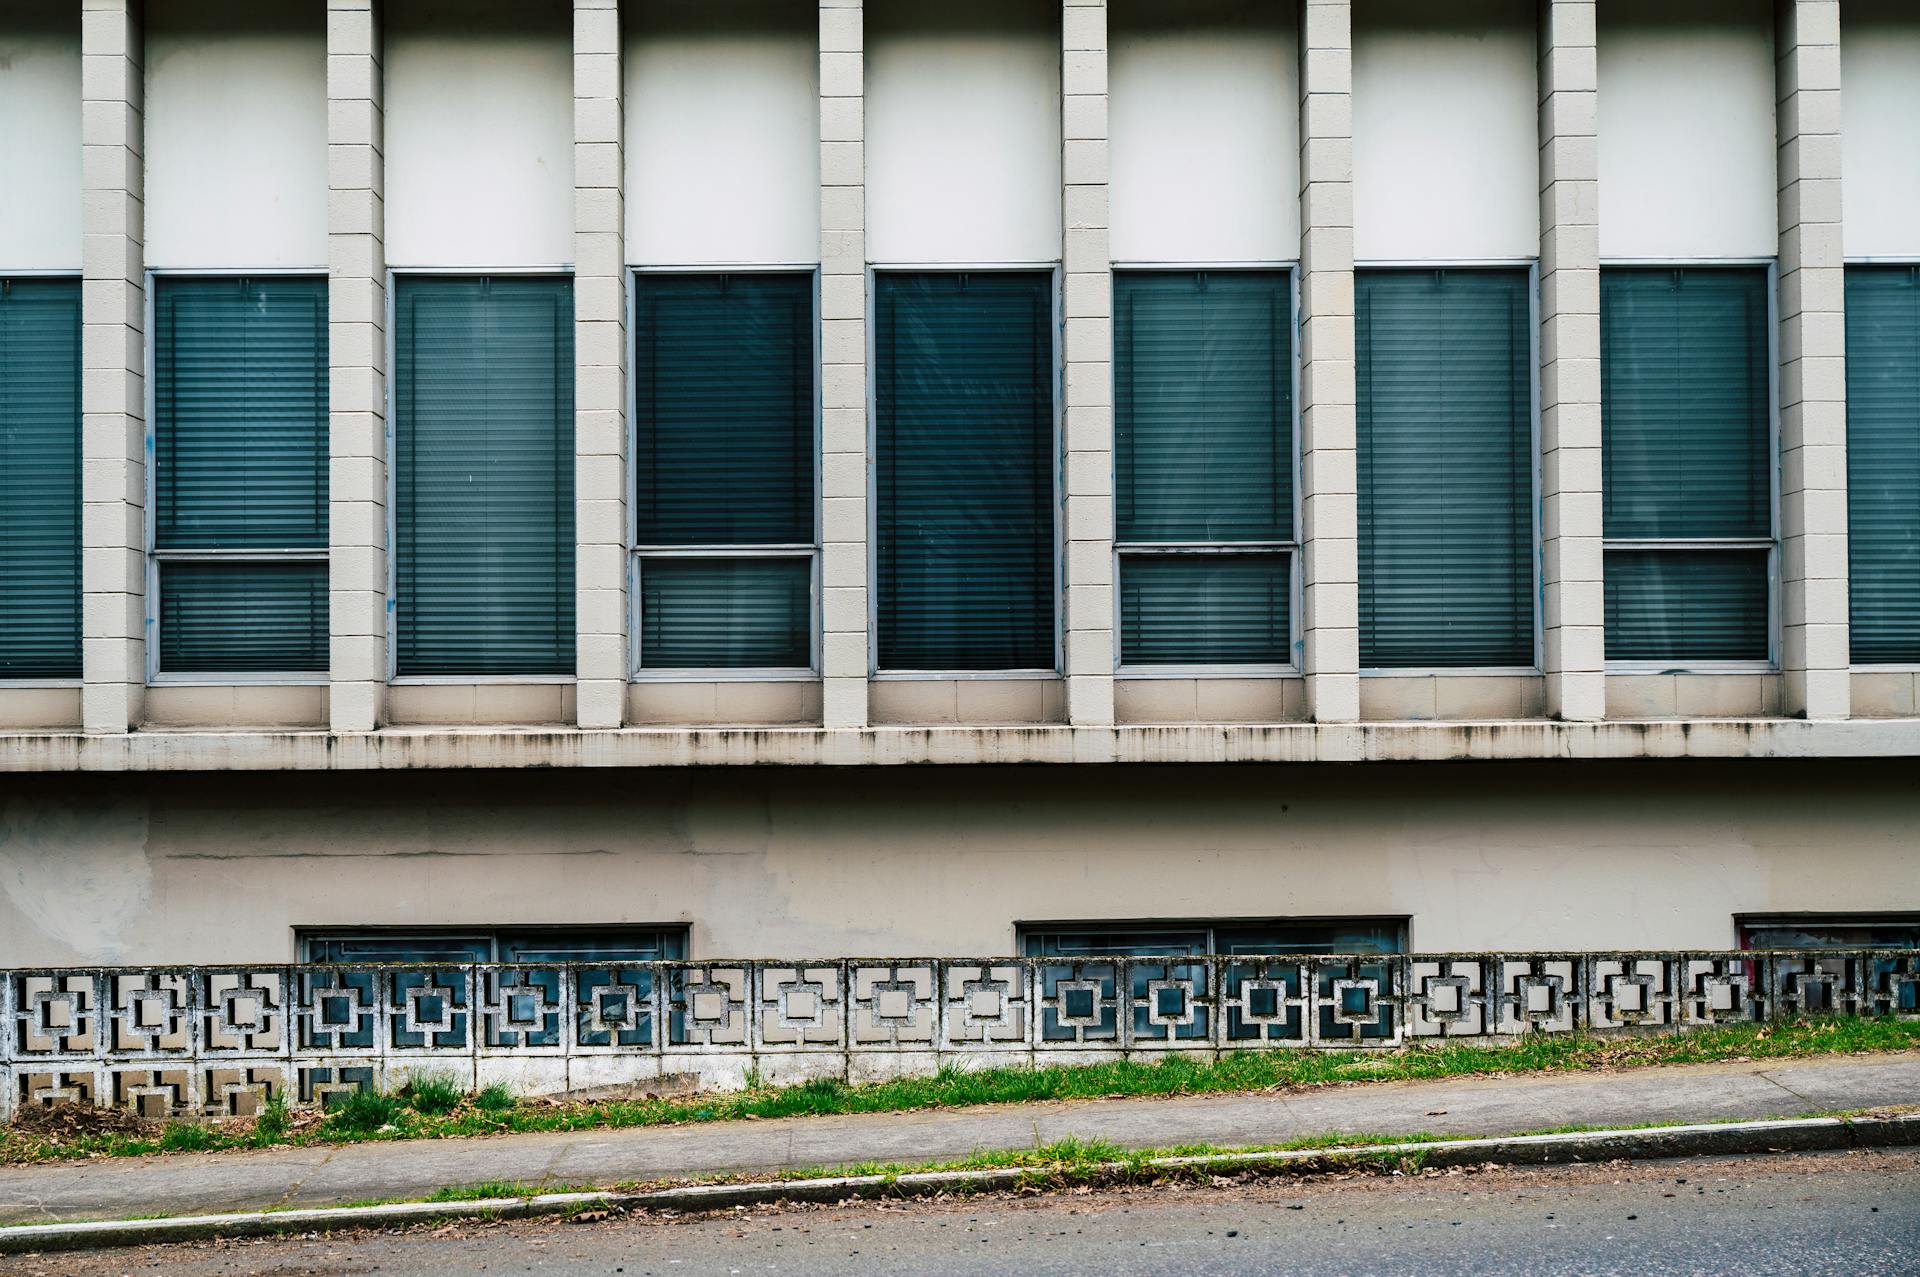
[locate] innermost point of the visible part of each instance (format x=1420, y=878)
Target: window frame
x=1538, y=546
x=638, y=554
x=1296, y=631
x=1871, y=667
x=1023, y=931
x=74, y=274
x=157, y=558
x=1056, y=271
x=392, y=461
x=1744, y=924
x=1770, y=543
x=493, y=936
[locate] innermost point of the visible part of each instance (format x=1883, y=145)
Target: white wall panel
x=1686, y=129
x=963, y=131
x=1445, y=141
x=479, y=126
x=1205, y=121
x=39, y=136
x=1880, y=127
x=236, y=134
x=723, y=154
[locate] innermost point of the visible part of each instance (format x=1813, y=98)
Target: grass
x=432, y=1107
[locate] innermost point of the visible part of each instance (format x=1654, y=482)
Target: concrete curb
x=1791, y=1135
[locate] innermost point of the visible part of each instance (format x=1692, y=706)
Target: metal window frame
x=1771, y=542
x=394, y=677
x=491, y=934
x=156, y=557
x=1023, y=928
x=78, y=276
x=1057, y=271
x=1296, y=633
x=638, y=554
x=1537, y=549
x=1869, y=667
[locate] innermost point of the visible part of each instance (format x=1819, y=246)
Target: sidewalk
x=119, y=1188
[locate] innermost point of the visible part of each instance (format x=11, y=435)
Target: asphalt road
x=1856, y=1214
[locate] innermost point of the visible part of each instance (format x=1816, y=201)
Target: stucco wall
x=963, y=132
x=40, y=136
x=1686, y=129
x=722, y=117
x=938, y=861
x=479, y=133
x=1880, y=127
x=236, y=142
x=1205, y=102
x=1445, y=146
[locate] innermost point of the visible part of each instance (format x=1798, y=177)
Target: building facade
x=497, y=481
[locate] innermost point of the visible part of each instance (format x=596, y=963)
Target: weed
x=431, y=1094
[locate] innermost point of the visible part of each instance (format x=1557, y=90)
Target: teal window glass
x=39, y=478
x=240, y=466
x=483, y=482
x=243, y=617
x=724, y=459
x=723, y=409
x=1686, y=412
x=1445, y=467
x=963, y=425
x=725, y=613
x=1883, y=462
x=1203, y=436
x=1204, y=609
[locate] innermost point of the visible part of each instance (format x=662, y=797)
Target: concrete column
x=357, y=372
x=600, y=368
x=113, y=362
x=1089, y=369
x=844, y=466
x=1571, y=510
x=1329, y=477
x=1813, y=373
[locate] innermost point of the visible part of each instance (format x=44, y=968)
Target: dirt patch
x=79, y=1121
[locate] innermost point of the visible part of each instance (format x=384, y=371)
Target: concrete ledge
x=516, y=747
x=1793, y=1135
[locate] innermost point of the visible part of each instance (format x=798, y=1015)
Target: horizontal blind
x=240, y=413
x=1685, y=402
x=964, y=429
x=1204, y=609
x=483, y=399
x=723, y=409
x=39, y=478
x=1203, y=390
x=1883, y=461
x=1686, y=605
x=234, y=618
x=725, y=613
x=1445, y=468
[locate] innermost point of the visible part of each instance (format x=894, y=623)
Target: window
x=723, y=470
x=1445, y=468
x=1883, y=462
x=964, y=434
x=1842, y=931
x=483, y=475
x=1686, y=411
x=240, y=474
x=1203, y=424
x=39, y=478
x=554, y=944
x=1193, y=939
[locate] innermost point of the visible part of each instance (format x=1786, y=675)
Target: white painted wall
x=39, y=136
x=1205, y=125
x=723, y=154
x=963, y=131
x=1880, y=128
x=479, y=133
x=236, y=133
x=1687, y=129
x=1445, y=139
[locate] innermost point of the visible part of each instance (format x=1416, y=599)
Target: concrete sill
x=516, y=747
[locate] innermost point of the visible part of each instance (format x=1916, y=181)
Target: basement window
x=504, y=944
